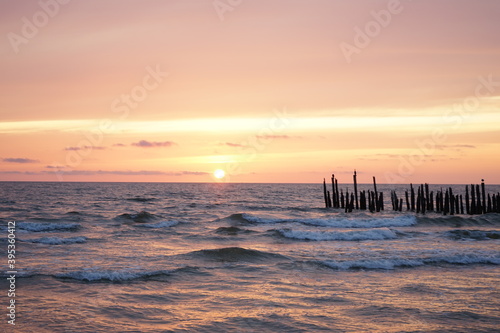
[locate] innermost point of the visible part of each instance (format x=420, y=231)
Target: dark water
x=150, y=257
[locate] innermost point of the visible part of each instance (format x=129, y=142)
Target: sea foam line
x=373, y=234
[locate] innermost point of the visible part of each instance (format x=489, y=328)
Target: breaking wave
x=373, y=234
x=48, y=226
x=58, y=240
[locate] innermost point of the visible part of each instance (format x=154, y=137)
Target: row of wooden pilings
x=371, y=200
x=443, y=201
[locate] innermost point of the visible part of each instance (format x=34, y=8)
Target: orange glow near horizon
x=172, y=91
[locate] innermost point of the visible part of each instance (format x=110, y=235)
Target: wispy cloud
x=84, y=148
x=20, y=160
x=268, y=137
x=455, y=147
x=231, y=144
x=150, y=144
x=55, y=169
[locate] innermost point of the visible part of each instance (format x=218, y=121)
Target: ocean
x=225, y=257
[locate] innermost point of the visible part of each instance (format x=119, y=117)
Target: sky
x=267, y=90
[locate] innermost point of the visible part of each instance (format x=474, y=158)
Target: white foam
x=109, y=275
x=162, y=224
x=392, y=263
x=373, y=264
x=357, y=235
x=58, y=240
x=260, y=219
x=379, y=222
x=398, y=221
x=48, y=226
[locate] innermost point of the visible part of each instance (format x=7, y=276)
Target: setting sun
x=219, y=174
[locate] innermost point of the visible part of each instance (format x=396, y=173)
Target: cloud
x=149, y=144
x=456, y=147
x=231, y=144
x=119, y=145
x=84, y=148
x=19, y=160
x=62, y=171
x=267, y=137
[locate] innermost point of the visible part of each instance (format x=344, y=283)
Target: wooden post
x=341, y=199
x=498, y=202
x=355, y=189
x=334, y=200
x=362, y=202
x=407, y=201
x=427, y=202
x=484, y=196
x=376, y=194
x=467, y=206
x=479, y=209
x=412, y=197
x=489, y=204
x=431, y=201
x=337, y=204
x=418, y=201
x=473, y=200
x=452, y=202
x=423, y=203
x=461, y=205
x=446, y=203
x=351, y=204
x=324, y=193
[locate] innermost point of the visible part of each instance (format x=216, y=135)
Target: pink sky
x=269, y=91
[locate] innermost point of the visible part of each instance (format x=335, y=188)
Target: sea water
x=224, y=257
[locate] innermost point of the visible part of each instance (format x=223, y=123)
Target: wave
x=141, y=199
x=337, y=222
x=233, y=254
x=232, y=231
x=57, y=240
x=48, y=226
x=373, y=234
x=392, y=263
x=141, y=217
x=162, y=224
x=245, y=219
x=461, y=234
x=376, y=222
x=491, y=219
x=110, y=275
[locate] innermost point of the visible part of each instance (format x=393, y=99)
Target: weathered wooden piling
x=423, y=200
x=467, y=206
x=479, y=209
x=337, y=204
x=473, y=200
x=412, y=198
x=362, y=203
x=461, y=205
x=484, y=196
x=324, y=193
x=334, y=200
x=355, y=189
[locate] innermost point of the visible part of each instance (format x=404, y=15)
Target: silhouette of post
x=355, y=189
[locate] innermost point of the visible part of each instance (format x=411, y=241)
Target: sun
x=219, y=173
